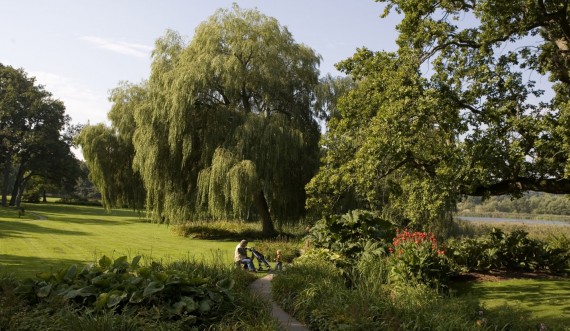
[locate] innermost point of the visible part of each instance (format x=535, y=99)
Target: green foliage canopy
x=32, y=137
x=110, y=162
x=453, y=112
x=109, y=151
x=225, y=126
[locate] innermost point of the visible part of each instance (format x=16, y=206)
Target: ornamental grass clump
x=418, y=257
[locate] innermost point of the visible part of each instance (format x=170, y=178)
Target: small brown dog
x=21, y=212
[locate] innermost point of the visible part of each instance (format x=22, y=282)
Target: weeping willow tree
x=110, y=167
x=229, y=132
x=109, y=151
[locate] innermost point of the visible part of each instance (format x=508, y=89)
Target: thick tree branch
x=548, y=185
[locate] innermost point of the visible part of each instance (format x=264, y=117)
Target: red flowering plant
x=417, y=256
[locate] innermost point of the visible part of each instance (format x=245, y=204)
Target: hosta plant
x=121, y=285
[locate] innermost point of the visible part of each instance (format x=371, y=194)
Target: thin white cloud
x=121, y=47
x=81, y=103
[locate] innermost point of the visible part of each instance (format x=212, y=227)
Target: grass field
x=50, y=236
x=539, y=300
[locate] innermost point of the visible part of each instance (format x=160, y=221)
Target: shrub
x=512, y=251
x=417, y=257
x=352, y=234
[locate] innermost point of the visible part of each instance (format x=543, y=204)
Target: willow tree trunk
x=268, y=229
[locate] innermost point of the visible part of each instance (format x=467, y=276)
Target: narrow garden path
x=262, y=287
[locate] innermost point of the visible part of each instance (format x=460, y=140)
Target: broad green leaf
x=105, y=262
x=60, y=275
x=71, y=272
x=115, y=298
x=121, y=264
x=226, y=283
x=152, y=288
x=103, y=280
x=88, y=291
x=101, y=301
x=136, y=297
x=135, y=280
x=190, y=304
x=172, y=280
x=44, y=276
x=196, y=281
x=44, y=291
x=135, y=262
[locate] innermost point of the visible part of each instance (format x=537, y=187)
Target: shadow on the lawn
x=22, y=265
x=20, y=228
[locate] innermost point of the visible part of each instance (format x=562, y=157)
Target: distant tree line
x=531, y=203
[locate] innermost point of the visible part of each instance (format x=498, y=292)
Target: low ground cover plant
x=184, y=295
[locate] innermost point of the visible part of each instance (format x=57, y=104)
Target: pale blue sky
x=79, y=50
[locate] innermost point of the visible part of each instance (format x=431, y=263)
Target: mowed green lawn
x=542, y=300
x=82, y=234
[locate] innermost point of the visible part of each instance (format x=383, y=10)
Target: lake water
x=511, y=220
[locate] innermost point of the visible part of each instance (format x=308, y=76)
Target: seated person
x=241, y=257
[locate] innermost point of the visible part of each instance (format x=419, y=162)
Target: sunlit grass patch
x=540, y=300
x=81, y=234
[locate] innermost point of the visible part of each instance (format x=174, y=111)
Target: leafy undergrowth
x=314, y=291
x=120, y=294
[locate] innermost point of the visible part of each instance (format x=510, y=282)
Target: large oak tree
x=455, y=111
x=33, y=137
